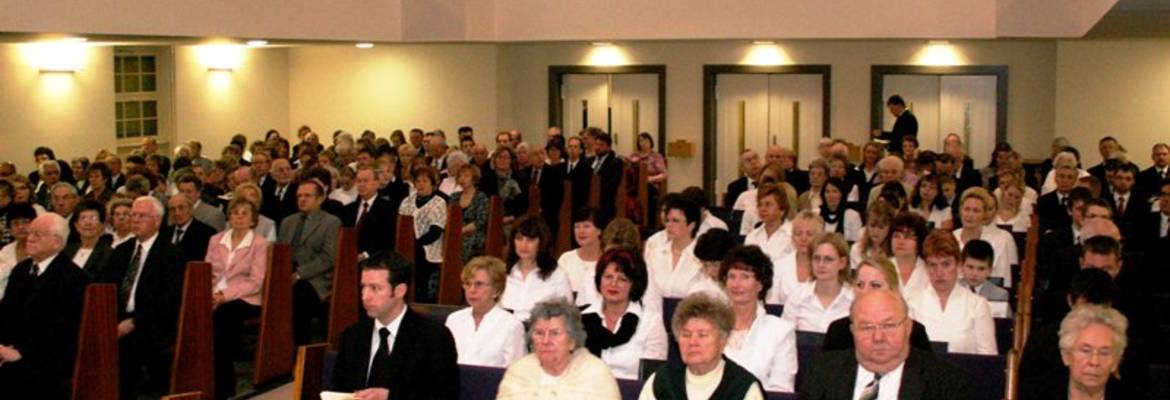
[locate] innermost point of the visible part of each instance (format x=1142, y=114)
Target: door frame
x=877, y=83
x=556, y=79
x=711, y=74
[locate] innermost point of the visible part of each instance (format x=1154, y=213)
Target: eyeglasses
x=1088, y=352
x=476, y=285
x=884, y=328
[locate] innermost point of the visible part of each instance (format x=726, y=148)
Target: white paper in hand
x=327, y=395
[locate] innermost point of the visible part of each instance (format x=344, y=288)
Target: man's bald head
x=1100, y=227
x=881, y=330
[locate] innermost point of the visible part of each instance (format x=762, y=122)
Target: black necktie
x=131, y=275
x=871, y=390
x=178, y=236
x=362, y=215
x=381, y=364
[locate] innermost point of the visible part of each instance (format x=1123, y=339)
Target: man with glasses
x=882, y=362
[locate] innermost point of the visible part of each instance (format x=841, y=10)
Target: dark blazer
x=160, y=285
x=840, y=337
x=734, y=189
x=40, y=318
x=194, y=242
x=905, y=125
x=116, y=181
x=97, y=258
x=278, y=208
x=798, y=178
x=1149, y=182
x=1136, y=207
x=1098, y=171
x=394, y=192
x=970, y=177
x=378, y=230
x=422, y=361
x=610, y=172
x=1053, y=215
x=580, y=176
x=831, y=374
x=552, y=193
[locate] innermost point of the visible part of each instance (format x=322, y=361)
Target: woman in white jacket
x=761, y=343
x=618, y=328
x=950, y=313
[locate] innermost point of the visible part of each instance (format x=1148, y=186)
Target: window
x=136, y=93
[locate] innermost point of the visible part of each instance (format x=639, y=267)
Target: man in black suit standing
x=41, y=311
x=397, y=353
x=750, y=166
x=577, y=171
x=373, y=216
x=281, y=201
x=606, y=166
x=905, y=124
x=883, y=360
x=184, y=231
x=1150, y=180
x=149, y=272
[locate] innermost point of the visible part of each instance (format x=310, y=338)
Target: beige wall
x=427, y=86
x=211, y=106
x=1031, y=86
x=1119, y=88
x=73, y=113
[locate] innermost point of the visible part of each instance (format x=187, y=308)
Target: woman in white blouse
x=838, y=216
x=818, y=303
x=1014, y=213
x=673, y=267
x=618, y=328
x=18, y=215
x=950, y=313
x=875, y=241
x=774, y=235
x=484, y=333
x=908, y=232
x=772, y=174
x=761, y=343
x=818, y=174
x=533, y=275
x=430, y=218
x=579, y=264
x=795, y=267
x=976, y=208
x=119, y=221
x=928, y=201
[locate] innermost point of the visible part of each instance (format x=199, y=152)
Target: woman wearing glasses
x=484, y=333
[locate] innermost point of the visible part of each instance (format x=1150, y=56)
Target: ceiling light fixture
x=257, y=43
x=602, y=44
x=364, y=45
x=763, y=42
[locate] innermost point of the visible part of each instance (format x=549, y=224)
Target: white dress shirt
x=776, y=245
x=966, y=324
x=670, y=279
x=710, y=222
x=146, y=245
x=580, y=274
x=805, y=309
x=1006, y=254
x=768, y=351
x=523, y=292
x=376, y=339
x=919, y=278
x=888, y=386
x=496, y=342
x=649, y=341
x=710, y=287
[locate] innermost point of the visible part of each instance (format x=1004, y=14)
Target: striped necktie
x=871, y=390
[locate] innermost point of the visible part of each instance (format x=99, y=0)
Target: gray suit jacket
x=210, y=215
x=990, y=291
x=315, y=252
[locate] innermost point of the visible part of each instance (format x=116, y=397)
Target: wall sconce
x=257, y=43
x=606, y=54
x=766, y=52
x=364, y=45
x=221, y=57
x=63, y=56
x=939, y=52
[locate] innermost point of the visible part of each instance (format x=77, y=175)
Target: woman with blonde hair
x=828, y=296
x=875, y=240
x=795, y=267
x=976, y=209
x=486, y=334
x=872, y=274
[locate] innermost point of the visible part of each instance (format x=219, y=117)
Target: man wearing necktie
x=372, y=215
x=883, y=365
x=41, y=311
x=312, y=233
x=397, y=353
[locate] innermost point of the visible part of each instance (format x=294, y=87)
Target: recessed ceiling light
x=74, y=40
x=763, y=42
x=938, y=42
x=602, y=44
x=364, y=45
x=257, y=43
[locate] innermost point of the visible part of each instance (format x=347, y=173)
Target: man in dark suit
x=577, y=172
x=373, y=216
x=149, y=272
x=795, y=176
x=1153, y=233
x=281, y=201
x=397, y=353
x=41, y=311
x=1107, y=146
x=1150, y=180
x=192, y=187
x=966, y=176
x=882, y=351
x=190, y=235
x=261, y=166
x=1052, y=207
x=905, y=124
x=313, y=236
x=1129, y=205
x=750, y=166
x=609, y=168
x=549, y=182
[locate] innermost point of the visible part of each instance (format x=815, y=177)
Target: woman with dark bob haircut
x=907, y=233
x=763, y=344
x=619, y=328
x=533, y=275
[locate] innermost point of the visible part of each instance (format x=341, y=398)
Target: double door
x=945, y=104
x=622, y=104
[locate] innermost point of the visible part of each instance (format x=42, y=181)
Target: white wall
x=1119, y=88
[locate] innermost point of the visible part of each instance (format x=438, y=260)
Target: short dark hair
x=689, y=210
x=696, y=195
x=590, y=214
x=44, y=151
x=1079, y=194
x=714, y=244
x=397, y=267
x=6, y=188
x=603, y=138
x=1128, y=167
x=192, y=179
x=906, y=221
x=1093, y=285
x=646, y=135
x=92, y=205
x=978, y=249
x=1103, y=245
x=321, y=174
x=102, y=169
x=464, y=129
x=629, y=263
x=751, y=259
x=911, y=139
x=896, y=100
x=20, y=211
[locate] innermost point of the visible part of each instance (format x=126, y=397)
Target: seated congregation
x=400, y=268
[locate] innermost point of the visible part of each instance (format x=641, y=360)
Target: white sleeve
x=852, y=226
x=782, y=373
x=514, y=347
x=984, y=330
x=655, y=347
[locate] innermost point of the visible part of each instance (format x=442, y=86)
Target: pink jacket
x=245, y=275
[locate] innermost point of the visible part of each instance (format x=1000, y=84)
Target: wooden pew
x=274, y=348
x=565, y=227
x=405, y=237
x=186, y=396
x=95, y=371
x=494, y=240
x=595, y=191
x=194, y=368
x=622, y=191
x=307, y=382
x=344, y=298
x=533, y=199
x=644, y=209
x=451, y=272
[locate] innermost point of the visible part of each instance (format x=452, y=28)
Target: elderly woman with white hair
x=1092, y=343
x=559, y=365
x=1064, y=158
x=450, y=184
x=891, y=169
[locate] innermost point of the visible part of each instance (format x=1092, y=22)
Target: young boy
x=977, y=258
